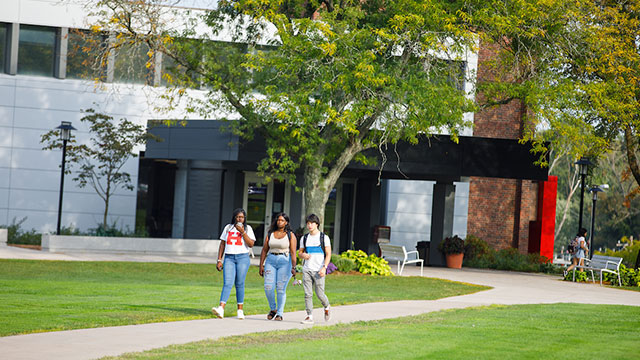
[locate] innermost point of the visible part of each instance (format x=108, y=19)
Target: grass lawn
x=557, y=331
x=39, y=296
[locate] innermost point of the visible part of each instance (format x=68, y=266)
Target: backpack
x=304, y=242
x=573, y=246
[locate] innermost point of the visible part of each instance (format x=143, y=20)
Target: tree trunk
x=315, y=191
x=318, y=188
x=106, y=211
x=631, y=145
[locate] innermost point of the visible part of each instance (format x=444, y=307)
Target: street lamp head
x=583, y=165
x=65, y=130
x=596, y=189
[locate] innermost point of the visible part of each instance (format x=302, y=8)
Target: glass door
x=262, y=202
x=255, y=204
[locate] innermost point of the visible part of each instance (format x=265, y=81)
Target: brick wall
x=495, y=204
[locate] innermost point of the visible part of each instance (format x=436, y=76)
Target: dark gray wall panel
x=204, y=199
x=195, y=140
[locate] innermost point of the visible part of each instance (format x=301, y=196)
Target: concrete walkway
x=508, y=288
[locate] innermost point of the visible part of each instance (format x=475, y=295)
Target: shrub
x=335, y=258
x=345, y=265
x=368, y=264
x=581, y=276
x=16, y=235
x=629, y=254
x=476, y=248
x=478, y=254
x=113, y=231
x=511, y=259
x=628, y=276
x=452, y=245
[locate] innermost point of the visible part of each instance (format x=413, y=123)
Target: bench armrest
x=617, y=265
x=413, y=252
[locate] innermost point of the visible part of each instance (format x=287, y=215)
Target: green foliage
x=364, y=76
x=629, y=254
x=480, y=255
x=574, y=64
x=476, y=249
x=17, y=235
x=452, y=245
x=628, y=276
x=345, y=265
x=335, y=258
x=113, y=231
x=368, y=264
x=581, y=276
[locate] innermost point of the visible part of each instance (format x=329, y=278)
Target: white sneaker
x=240, y=314
x=327, y=314
x=218, y=311
x=308, y=320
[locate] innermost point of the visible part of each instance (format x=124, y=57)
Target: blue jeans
x=234, y=271
x=277, y=272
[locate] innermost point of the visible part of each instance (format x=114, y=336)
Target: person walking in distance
x=315, y=249
x=235, y=243
x=580, y=252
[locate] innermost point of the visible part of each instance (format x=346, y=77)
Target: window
x=86, y=56
x=133, y=65
x=176, y=74
x=36, y=50
x=3, y=46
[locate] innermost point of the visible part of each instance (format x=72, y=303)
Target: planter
x=454, y=261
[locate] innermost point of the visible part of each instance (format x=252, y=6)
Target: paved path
x=508, y=288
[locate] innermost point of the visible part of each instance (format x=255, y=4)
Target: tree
x=100, y=161
x=575, y=64
x=321, y=81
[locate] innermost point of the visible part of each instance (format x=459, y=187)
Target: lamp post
x=594, y=191
x=65, y=135
x=583, y=168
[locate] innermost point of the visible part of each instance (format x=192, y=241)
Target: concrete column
x=444, y=195
x=13, y=37
x=3, y=237
x=180, y=199
x=62, y=40
x=157, y=68
x=111, y=60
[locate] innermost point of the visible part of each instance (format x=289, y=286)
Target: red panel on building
x=542, y=230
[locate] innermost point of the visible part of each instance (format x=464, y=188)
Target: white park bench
x=602, y=264
x=398, y=253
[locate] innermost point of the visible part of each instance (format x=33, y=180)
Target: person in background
x=235, y=243
x=581, y=252
x=315, y=249
x=278, y=264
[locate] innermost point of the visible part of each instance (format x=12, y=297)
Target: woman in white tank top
x=278, y=264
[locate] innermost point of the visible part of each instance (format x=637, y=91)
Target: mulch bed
x=32, y=247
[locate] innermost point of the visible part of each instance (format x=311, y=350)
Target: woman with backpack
x=235, y=243
x=580, y=250
x=278, y=264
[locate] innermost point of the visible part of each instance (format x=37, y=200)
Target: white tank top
x=278, y=246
